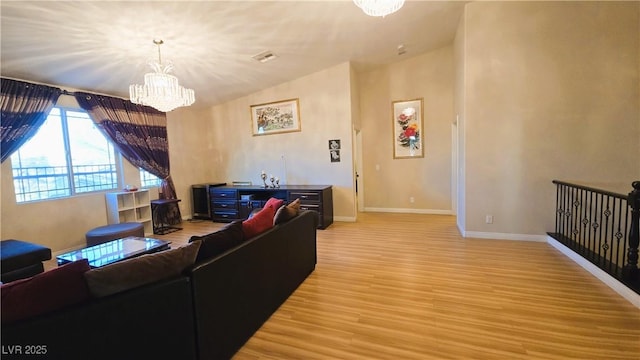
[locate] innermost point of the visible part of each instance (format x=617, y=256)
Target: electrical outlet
x=412, y=200
x=489, y=219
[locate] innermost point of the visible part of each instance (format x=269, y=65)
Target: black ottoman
x=107, y=233
x=21, y=259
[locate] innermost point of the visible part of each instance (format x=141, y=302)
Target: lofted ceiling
x=103, y=46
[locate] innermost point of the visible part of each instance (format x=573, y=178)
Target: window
x=68, y=156
x=148, y=180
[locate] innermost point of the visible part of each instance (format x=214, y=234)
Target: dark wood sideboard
x=228, y=203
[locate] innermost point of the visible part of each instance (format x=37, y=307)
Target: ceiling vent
x=401, y=49
x=265, y=56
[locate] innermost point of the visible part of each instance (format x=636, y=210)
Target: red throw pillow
x=259, y=223
x=274, y=203
x=48, y=291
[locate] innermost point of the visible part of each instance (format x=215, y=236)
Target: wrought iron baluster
x=619, y=232
x=576, y=220
x=565, y=219
x=593, y=219
x=583, y=220
x=558, y=209
x=607, y=213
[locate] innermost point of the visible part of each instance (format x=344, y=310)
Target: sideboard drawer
x=313, y=207
x=225, y=215
x=224, y=204
x=224, y=194
x=304, y=196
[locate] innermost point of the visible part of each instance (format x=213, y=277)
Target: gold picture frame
x=275, y=117
x=407, y=122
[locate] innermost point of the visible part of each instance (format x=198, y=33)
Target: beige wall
x=190, y=150
x=297, y=158
x=428, y=179
x=550, y=92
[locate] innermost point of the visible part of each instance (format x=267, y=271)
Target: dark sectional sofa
x=208, y=312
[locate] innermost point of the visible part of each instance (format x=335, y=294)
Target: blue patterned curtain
x=138, y=132
x=24, y=107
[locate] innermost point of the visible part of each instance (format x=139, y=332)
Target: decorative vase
x=263, y=176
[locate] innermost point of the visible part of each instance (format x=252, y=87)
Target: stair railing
x=601, y=226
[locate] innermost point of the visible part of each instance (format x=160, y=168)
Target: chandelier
x=161, y=90
x=379, y=7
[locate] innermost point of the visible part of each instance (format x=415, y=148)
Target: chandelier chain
x=158, y=43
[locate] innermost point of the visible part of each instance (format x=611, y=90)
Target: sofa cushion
x=48, y=291
x=259, y=223
x=274, y=203
x=141, y=270
x=220, y=241
x=287, y=212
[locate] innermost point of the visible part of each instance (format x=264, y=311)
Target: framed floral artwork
x=407, y=129
x=275, y=117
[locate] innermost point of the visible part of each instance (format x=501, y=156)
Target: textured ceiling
x=103, y=46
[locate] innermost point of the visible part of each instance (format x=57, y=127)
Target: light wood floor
x=399, y=286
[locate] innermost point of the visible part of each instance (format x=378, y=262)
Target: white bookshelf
x=130, y=206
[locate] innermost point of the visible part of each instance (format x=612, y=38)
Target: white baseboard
x=410, y=211
x=504, y=236
x=607, y=279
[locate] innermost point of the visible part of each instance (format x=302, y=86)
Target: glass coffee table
x=114, y=251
